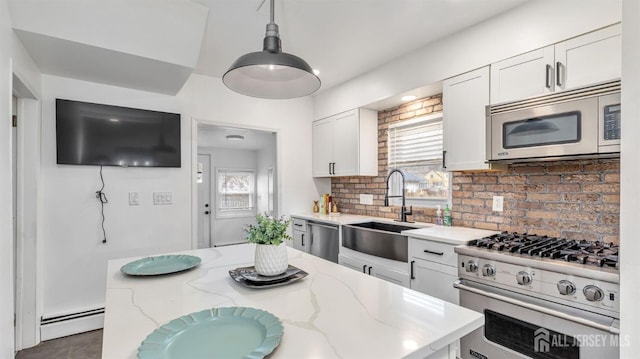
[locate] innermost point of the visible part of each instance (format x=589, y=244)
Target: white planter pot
x=271, y=260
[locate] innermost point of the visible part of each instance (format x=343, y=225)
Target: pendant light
x=271, y=73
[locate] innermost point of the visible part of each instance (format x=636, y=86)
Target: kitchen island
x=335, y=312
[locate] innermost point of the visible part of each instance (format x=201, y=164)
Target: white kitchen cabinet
x=346, y=144
x=464, y=100
x=435, y=279
x=589, y=59
x=584, y=60
x=433, y=268
x=523, y=76
x=300, y=236
x=374, y=269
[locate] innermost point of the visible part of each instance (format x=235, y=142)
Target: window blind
x=416, y=142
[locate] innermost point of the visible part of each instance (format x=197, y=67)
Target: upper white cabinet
x=522, y=76
x=589, y=59
x=346, y=144
x=580, y=61
x=464, y=99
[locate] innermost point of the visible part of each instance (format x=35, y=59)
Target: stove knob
x=565, y=287
x=488, y=270
x=523, y=278
x=593, y=293
x=472, y=266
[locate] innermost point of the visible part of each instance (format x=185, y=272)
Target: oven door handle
x=458, y=284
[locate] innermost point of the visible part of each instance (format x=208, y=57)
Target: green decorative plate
x=231, y=332
x=160, y=264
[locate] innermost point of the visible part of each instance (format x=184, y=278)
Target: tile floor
x=80, y=346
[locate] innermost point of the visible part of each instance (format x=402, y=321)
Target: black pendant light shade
x=271, y=73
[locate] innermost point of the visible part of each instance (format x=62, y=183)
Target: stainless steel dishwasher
x=323, y=241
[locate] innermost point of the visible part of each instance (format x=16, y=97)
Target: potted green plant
x=269, y=234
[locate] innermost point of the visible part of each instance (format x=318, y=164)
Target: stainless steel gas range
x=542, y=297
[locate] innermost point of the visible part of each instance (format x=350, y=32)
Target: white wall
x=629, y=188
x=533, y=25
x=228, y=230
x=74, y=259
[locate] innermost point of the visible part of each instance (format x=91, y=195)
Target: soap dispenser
x=447, y=216
x=439, y=216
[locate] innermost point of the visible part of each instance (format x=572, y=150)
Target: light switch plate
x=162, y=198
x=134, y=198
x=366, y=199
x=498, y=203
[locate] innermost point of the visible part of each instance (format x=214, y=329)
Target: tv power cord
x=102, y=197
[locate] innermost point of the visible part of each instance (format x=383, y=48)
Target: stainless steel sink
x=378, y=239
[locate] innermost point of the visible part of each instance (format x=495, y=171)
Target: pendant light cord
x=273, y=12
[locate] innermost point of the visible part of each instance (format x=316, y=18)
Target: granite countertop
x=335, y=312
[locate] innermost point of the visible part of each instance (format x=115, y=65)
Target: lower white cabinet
x=433, y=269
x=435, y=280
x=374, y=269
x=300, y=237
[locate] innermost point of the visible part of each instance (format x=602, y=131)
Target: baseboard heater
x=73, y=323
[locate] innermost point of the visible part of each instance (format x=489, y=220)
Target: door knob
x=206, y=204
x=206, y=212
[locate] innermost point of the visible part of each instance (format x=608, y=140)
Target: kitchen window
x=235, y=190
x=415, y=147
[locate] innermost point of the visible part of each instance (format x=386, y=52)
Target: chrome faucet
x=403, y=210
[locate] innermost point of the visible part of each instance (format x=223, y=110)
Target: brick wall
x=570, y=199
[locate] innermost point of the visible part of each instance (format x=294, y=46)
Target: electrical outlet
x=366, y=199
x=498, y=203
x=134, y=198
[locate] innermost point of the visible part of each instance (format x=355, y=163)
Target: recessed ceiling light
x=114, y=120
x=316, y=72
x=408, y=98
x=235, y=138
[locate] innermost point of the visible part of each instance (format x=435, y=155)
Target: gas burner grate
x=584, y=252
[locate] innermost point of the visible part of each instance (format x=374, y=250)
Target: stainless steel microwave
x=580, y=123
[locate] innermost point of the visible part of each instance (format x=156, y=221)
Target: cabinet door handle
x=297, y=224
x=333, y=168
x=412, y=276
x=432, y=252
x=330, y=168
x=302, y=239
x=370, y=270
x=444, y=156
x=558, y=75
x=549, y=72
x=364, y=269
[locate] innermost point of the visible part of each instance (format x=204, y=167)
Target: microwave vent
x=600, y=89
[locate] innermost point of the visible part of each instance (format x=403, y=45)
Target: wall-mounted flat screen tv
x=103, y=135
